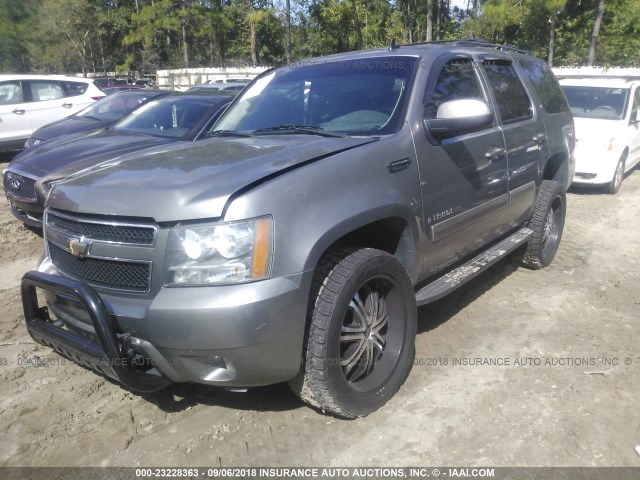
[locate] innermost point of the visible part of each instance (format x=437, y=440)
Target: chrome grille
x=130, y=234
x=113, y=253
x=18, y=185
x=116, y=274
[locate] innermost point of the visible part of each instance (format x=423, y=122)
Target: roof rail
x=470, y=42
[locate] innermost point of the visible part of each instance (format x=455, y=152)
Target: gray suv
x=334, y=197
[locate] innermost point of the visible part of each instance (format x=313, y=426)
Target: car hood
x=178, y=182
x=68, y=125
x=595, y=131
x=66, y=155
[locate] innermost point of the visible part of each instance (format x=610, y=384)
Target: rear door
x=79, y=94
x=15, y=121
x=524, y=133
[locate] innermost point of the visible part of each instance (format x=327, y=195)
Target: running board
x=452, y=280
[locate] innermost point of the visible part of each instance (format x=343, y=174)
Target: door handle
x=19, y=111
x=67, y=105
x=398, y=165
x=540, y=138
x=494, y=152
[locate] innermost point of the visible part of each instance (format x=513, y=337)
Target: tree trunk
x=357, y=24
x=438, y=15
x=288, y=32
x=596, y=33
x=409, y=22
x=253, y=31
x=429, y=20
x=185, y=48
x=252, y=42
x=552, y=38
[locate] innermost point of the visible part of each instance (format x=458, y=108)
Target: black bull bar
x=106, y=357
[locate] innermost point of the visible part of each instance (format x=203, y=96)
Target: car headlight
x=32, y=142
x=221, y=253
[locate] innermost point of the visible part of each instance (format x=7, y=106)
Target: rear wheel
x=547, y=223
x=361, y=333
x=616, y=181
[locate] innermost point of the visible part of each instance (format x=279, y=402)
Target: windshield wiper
x=226, y=133
x=303, y=129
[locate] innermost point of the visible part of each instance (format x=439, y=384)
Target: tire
x=361, y=333
x=547, y=223
x=618, y=175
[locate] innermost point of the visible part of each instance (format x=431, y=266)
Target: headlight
x=32, y=142
x=221, y=253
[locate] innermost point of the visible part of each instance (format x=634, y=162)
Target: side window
x=73, y=89
x=43, y=90
x=511, y=97
x=636, y=105
x=456, y=80
x=10, y=93
x=546, y=85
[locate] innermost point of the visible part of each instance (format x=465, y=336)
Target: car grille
x=17, y=185
x=109, y=273
x=114, y=241
x=134, y=235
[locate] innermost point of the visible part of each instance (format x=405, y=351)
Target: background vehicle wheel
x=616, y=181
x=547, y=223
x=361, y=336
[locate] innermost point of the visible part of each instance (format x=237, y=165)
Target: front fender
x=317, y=204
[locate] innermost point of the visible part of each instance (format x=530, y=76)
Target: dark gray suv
x=334, y=196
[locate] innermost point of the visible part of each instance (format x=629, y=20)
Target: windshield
x=113, y=107
x=353, y=97
x=597, y=102
x=172, y=116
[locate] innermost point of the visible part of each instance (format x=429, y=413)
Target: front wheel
x=361, y=334
x=618, y=175
x=547, y=223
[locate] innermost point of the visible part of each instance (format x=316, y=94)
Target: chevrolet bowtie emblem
x=79, y=248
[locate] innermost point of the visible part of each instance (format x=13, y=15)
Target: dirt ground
x=518, y=368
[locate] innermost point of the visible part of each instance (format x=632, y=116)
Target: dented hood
x=178, y=182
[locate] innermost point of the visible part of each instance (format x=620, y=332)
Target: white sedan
x=607, y=121
x=27, y=102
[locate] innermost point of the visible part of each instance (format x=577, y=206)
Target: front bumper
x=595, y=167
x=235, y=336
x=29, y=214
x=107, y=357
x=24, y=197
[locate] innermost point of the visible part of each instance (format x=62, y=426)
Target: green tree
x=14, y=26
x=63, y=36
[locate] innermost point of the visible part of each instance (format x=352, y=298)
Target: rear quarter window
x=73, y=89
x=546, y=85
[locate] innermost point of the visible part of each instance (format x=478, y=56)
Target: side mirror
x=635, y=118
x=460, y=116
